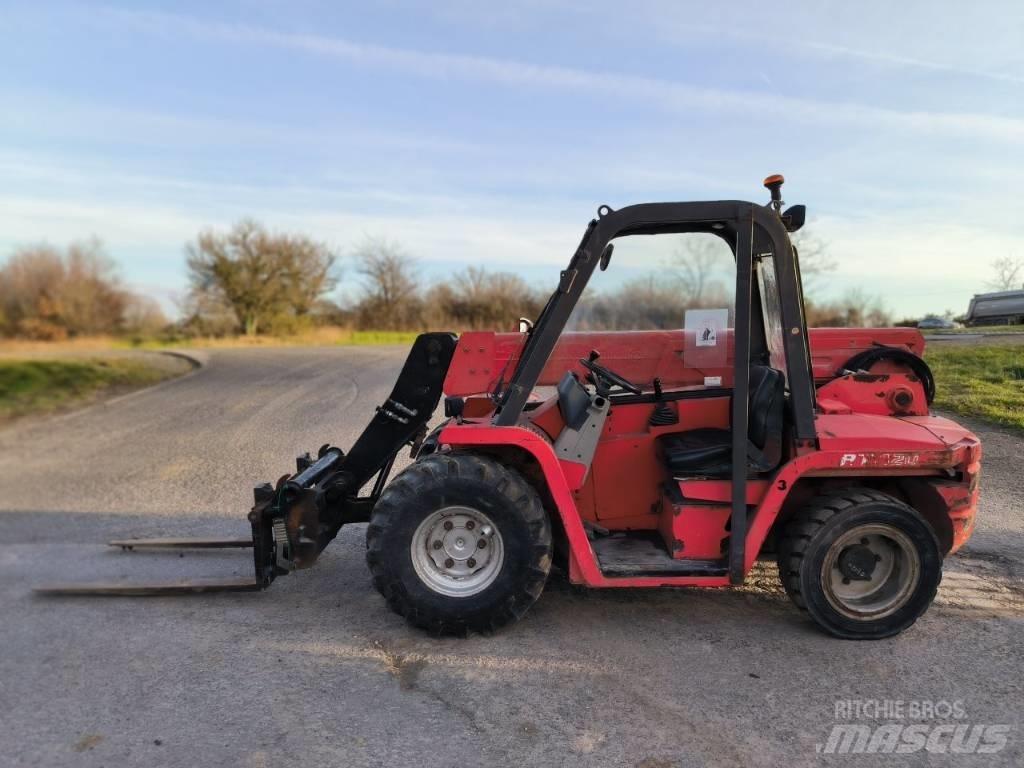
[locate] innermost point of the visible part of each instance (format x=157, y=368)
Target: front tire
x=863, y=564
x=458, y=543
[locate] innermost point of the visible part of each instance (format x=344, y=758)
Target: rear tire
x=458, y=543
x=863, y=564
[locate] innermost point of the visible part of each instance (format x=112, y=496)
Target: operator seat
x=708, y=451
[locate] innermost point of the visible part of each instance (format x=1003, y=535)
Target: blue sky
x=488, y=133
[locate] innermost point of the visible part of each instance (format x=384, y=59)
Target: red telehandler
x=668, y=458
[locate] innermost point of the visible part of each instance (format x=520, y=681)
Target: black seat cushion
x=708, y=451
x=699, y=450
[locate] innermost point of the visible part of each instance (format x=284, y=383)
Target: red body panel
x=890, y=394
x=853, y=445
x=868, y=426
x=485, y=357
x=695, y=531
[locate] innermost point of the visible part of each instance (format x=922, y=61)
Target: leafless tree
x=855, y=309
x=696, y=262
x=47, y=293
x=143, y=316
x=391, y=291
x=1007, y=274
x=813, y=254
x=478, y=299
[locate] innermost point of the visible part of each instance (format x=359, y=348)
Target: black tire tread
x=799, y=535
x=435, y=468
x=802, y=527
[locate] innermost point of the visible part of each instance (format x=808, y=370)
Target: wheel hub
x=455, y=544
x=870, y=571
x=457, y=551
x=857, y=563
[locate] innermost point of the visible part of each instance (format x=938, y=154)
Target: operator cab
x=689, y=369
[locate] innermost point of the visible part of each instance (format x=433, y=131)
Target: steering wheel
x=609, y=377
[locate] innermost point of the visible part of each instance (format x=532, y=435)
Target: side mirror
x=794, y=217
x=606, y=256
x=525, y=325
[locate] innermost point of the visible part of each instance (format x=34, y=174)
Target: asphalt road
x=317, y=671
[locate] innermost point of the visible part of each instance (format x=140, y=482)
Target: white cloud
x=41, y=114
x=651, y=91
x=917, y=263
x=882, y=57
x=27, y=219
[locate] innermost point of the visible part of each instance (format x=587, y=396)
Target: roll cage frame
x=753, y=232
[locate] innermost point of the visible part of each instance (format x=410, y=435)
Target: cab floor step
x=645, y=555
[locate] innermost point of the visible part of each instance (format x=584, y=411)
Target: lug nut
x=846, y=580
x=470, y=525
x=448, y=525
x=482, y=544
x=878, y=558
x=471, y=563
x=437, y=544
x=449, y=563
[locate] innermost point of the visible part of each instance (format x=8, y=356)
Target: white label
x=712, y=381
x=706, y=325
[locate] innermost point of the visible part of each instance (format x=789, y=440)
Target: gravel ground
x=318, y=672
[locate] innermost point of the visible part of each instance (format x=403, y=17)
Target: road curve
x=317, y=671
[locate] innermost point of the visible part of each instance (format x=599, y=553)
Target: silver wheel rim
x=891, y=582
x=457, y=551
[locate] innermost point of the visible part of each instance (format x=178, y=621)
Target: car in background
x=932, y=322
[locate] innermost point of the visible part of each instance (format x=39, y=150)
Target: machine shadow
x=976, y=585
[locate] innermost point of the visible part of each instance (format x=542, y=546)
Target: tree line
x=51, y=294
x=250, y=280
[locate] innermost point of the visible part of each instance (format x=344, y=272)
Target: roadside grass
x=369, y=338
x=968, y=330
x=328, y=336
x=982, y=381
x=42, y=386
x=322, y=337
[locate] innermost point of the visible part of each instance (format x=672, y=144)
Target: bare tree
x=696, y=263
x=855, y=309
x=813, y=254
x=1007, y=274
x=46, y=293
x=391, y=298
x=478, y=299
x=143, y=316
x=699, y=264
x=260, y=275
